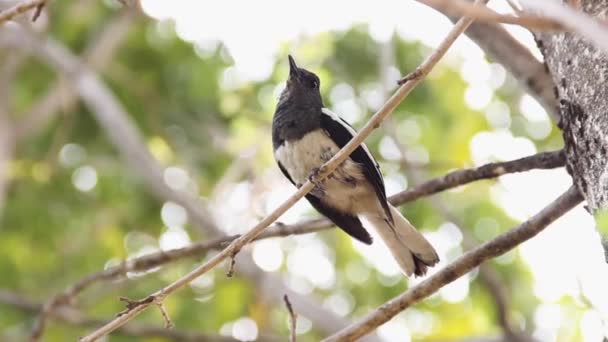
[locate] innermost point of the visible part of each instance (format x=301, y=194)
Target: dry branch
x=545, y=160
x=75, y=317
x=324, y=171
x=22, y=7
x=464, y=264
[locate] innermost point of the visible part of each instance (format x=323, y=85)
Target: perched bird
x=305, y=135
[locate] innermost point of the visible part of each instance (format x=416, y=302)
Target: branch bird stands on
x=323, y=172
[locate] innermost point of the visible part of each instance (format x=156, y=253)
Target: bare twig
x=38, y=11
x=545, y=160
x=231, y=264
x=324, y=171
x=485, y=14
x=163, y=311
x=495, y=247
x=77, y=318
x=22, y=7
x=293, y=318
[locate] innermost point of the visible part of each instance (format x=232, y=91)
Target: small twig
x=77, y=318
x=464, y=264
x=22, y=7
x=231, y=263
x=515, y=6
x=38, y=11
x=293, y=317
x=168, y=322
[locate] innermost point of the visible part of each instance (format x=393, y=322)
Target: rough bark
x=580, y=71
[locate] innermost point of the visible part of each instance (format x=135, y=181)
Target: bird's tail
x=411, y=250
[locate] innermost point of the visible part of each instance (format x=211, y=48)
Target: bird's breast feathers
x=346, y=189
x=300, y=157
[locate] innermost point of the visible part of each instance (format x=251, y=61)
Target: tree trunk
x=580, y=72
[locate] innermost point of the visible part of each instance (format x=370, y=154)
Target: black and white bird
x=305, y=135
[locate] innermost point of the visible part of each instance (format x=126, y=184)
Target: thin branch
x=464, y=264
x=293, y=318
x=543, y=160
x=485, y=14
x=22, y=7
x=324, y=171
x=75, y=317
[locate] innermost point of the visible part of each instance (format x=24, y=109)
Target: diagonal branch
x=464, y=264
x=545, y=160
x=324, y=171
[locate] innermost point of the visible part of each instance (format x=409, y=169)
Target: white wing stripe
x=351, y=130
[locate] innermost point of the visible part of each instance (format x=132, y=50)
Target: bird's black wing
x=348, y=223
x=285, y=172
x=341, y=133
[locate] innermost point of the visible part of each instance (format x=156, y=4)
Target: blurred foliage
x=52, y=233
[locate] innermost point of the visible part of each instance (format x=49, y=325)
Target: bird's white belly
x=299, y=158
x=346, y=189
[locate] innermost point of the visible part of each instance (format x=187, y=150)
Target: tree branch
x=464, y=264
x=324, y=171
x=22, y=7
x=75, y=317
x=544, y=160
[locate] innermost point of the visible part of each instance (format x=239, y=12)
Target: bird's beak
x=294, y=72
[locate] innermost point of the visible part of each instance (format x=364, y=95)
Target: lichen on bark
x=580, y=73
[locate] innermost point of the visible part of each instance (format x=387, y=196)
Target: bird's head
x=302, y=89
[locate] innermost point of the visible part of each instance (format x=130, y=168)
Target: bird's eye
x=315, y=84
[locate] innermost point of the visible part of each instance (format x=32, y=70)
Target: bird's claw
x=314, y=176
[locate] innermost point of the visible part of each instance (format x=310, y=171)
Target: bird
x=305, y=135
